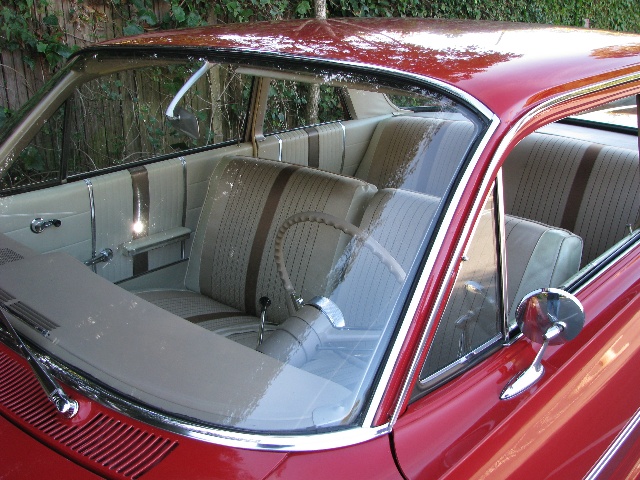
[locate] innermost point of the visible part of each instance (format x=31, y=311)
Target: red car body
x=565, y=426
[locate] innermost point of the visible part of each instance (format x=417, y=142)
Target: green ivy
x=26, y=26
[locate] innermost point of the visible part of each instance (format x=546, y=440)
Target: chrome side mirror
x=549, y=316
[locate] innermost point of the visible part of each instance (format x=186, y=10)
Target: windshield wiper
x=65, y=405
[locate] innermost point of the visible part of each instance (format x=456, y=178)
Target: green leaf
x=41, y=47
x=132, y=29
x=50, y=20
x=178, y=13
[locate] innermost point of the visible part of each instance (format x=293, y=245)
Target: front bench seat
x=415, y=153
x=231, y=263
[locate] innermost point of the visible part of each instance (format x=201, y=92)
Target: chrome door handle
x=39, y=224
x=104, y=256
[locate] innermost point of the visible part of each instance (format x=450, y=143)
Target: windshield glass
x=237, y=244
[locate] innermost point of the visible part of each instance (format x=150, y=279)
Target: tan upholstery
x=398, y=220
x=590, y=189
x=336, y=147
x=538, y=256
x=231, y=264
x=415, y=153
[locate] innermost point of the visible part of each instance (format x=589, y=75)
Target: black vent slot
x=7, y=256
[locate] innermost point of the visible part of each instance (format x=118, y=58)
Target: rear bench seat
x=231, y=263
x=587, y=188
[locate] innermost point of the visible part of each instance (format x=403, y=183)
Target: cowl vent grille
x=110, y=446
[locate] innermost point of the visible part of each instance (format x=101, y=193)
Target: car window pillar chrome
x=56, y=395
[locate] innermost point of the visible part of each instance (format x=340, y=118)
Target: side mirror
x=549, y=316
x=185, y=122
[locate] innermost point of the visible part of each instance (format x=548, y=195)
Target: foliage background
x=36, y=36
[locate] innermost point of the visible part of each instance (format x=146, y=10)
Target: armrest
x=156, y=240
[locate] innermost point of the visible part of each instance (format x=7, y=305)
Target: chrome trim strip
x=611, y=452
x=92, y=214
x=263, y=441
x=450, y=370
x=504, y=286
x=499, y=153
x=344, y=145
x=183, y=245
x=426, y=272
x=279, y=146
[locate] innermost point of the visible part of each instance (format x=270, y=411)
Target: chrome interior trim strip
x=279, y=146
x=613, y=449
x=92, y=215
x=344, y=146
x=183, y=245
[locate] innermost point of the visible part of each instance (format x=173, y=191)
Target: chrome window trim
x=252, y=441
x=610, y=453
x=497, y=158
x=449, y=371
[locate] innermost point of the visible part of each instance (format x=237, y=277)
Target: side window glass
x=126, y=112
x=473, y=315
x=39, y=162
x=120, y=118
x=295, y=104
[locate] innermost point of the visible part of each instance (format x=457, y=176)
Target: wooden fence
x=84, y=23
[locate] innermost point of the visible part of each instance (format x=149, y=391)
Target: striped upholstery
x=367, y=292
x=398, y=220
x=590, y=189
x=232, y=265
x=415, y=153
x=152, y=195
x=336, y=147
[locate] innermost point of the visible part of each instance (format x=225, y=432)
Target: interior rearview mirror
x=185, y=122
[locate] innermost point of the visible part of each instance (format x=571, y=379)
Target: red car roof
x=507, y=66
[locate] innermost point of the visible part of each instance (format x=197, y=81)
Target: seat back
x=590, y=189
x=398, y=220
x=538, y=256
x=232, y=258
x=415, y=153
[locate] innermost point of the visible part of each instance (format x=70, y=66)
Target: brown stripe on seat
x=141, y=202
x=314, y=147
x=260, y=239
x=204, y=317
x=579, y=187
